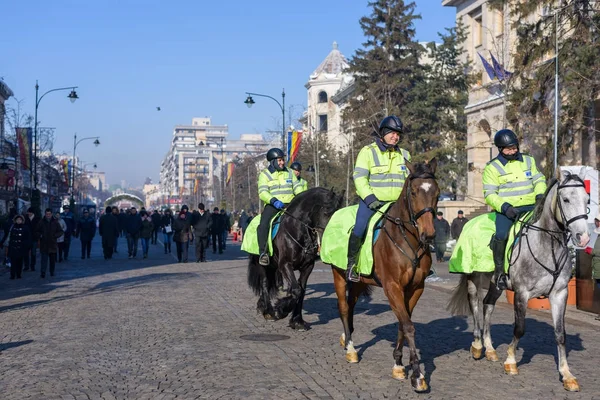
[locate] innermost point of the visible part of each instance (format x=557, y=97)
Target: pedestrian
x=115, y=213
x=109, y=231
x=167, y=229
x=243, y=224
x=123, y=222
x=6, y=228
x=595, y=253
x=49, y=231
x=133, y=225
x=146, y=232
x=202, y=223
x=226, y=227
x=181, y=236
x=442, y=234
x=19, y=240
x=69, y=219
x=458, y=224
x=86, y=230
x=156, y=223
x=218, y=225
x=60, y=242
x=33, y=221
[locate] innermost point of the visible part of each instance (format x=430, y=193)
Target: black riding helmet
x=390, y=124
x=274, y=154
x=296, y=166
x=506, y=138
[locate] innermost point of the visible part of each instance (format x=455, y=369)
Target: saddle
x=334, y=244
x=250, y=239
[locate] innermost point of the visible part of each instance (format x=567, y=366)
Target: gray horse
x=540, y=266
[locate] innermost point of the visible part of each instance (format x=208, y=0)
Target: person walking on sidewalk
x=156, y=224
x=133, y=225
x=442, y=234
x=115, y=213
x=60, y=242
x=226, y=227
x=202, y=223
x=216, y=231
x=146, y=232
x=458, y=224
x=69, y=219
x=49, y=231
x=19, y=240
x=86, y=230
x=109, y=230
x=181, y=236
x=32, y=221
x=167, y=229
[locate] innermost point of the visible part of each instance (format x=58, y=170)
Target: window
x=477, y=28
x=499, y=23
x=322, y=123
x=323, y=97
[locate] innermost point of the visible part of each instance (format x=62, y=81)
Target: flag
x=293, y=145
x=24, y=138
x=488, y=68
x=499, y=70
x=196, y=186
x=230, y=168
x=65, y=167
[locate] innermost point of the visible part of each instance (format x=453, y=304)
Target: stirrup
x=352, y=276
x=263, y=259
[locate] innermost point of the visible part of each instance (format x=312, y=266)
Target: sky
x=191, y=58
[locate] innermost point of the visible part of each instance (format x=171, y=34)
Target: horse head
x=571, y=205
x=422, y=191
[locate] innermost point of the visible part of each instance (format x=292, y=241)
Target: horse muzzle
x=581, y=239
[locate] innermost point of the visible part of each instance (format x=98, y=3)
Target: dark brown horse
x=401, y=262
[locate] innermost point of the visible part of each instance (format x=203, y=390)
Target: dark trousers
x=61, y=250
x=363, y=216
x=44, y=263
x=503, y=223
x=108, y=249
x=224, y=235
x=155, y=236
x=201, y=245
x=217, y=238
x=116, y=244
x=86, y=248
x=440, y=249
x=182, y=251
x=16, y=265
x=67, y=246
x=30, y=259
x=263, y=228
x=132, y=244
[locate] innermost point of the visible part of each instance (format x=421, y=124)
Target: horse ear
x=409, y=165
x=582, y=173
x=558, y=174
x=432, y=165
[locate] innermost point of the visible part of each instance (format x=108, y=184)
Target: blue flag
x=499, y=70
x=488, y=68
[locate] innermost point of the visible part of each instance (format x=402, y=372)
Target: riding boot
x=499, y=278
x=353, y=249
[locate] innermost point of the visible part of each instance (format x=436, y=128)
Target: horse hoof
x=571, y=385
x=269, y=317
x=299, y=326
x=420, y=385
x=476, y=353
x=343, y=341
x=511, y=369
x=491, y=355
x=352, y=358
x=398, y=372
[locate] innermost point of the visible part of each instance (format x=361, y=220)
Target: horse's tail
x=459, y=302
x=257, y=274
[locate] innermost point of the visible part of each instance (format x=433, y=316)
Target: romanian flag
x=293, y=145
x=64, y=164
x=24, y=139
x=230, y=168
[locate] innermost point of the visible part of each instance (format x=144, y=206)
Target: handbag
x=168, y=229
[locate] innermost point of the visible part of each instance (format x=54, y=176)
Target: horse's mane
x=303, y=204
x=539, y=207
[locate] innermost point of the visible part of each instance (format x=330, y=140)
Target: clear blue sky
x=191, y=58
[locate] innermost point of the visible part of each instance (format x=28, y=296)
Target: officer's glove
x=511, y=212
x=539, y=197
x=278, y=204
x=375, y=205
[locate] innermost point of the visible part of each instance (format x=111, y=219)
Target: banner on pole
x=230, y=168
x=25, y=139
x=294, y=140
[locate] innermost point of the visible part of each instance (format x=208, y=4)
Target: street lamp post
x=75, y=144
x=220, y=145
x=250, y=101
x=72, y=96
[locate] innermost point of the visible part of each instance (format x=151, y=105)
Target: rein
x=310, y=230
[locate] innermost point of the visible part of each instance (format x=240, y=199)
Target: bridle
x=578, y=184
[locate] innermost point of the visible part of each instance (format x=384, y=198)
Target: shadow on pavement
x=10, y=345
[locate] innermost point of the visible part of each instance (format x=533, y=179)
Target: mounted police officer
x=511, y=186
x=379, y=175
x=297, y=169
x=277, y=186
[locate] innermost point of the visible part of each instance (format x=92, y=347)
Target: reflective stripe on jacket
x=302, y=186
x=380, y=174
x=516, y=183
x=281, y=185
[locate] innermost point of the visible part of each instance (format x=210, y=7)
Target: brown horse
x=401, y=262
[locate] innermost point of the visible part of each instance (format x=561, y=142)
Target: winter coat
x=457, y=226
x=218, y=223
x=442, y=230
x=202, y=224
x=33, y=224
x=49, y=231
x=19, y=240
x=147, y=228
x=86, y=229
x=109, y=229
x=122, y=219
x=166, y=220
x=181, y=229
x=156, y=220
x=69, y=219
x=133, y=224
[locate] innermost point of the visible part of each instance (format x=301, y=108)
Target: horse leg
x=286, y=304
x=558, y=302
x=345, y=310
x=473, y=295
x=296, y=320
x=510, y=365
x=264, y=303
x=398, y=371
x=489, y=303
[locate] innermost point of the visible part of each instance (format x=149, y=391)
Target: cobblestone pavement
x=155, y=329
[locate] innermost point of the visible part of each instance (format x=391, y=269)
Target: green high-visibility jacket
x=380, y=175
x=302, y=185
x=516, y=183
x=277, y=185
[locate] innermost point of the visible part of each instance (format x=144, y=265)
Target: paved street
x=155, y=329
